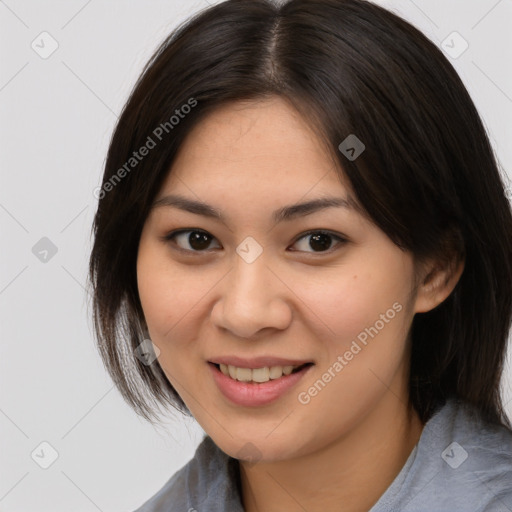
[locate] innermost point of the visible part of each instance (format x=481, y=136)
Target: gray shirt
x=460, y=464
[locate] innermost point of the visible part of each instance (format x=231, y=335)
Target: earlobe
x=437, y=284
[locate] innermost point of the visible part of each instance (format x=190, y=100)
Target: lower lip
x=251, y=394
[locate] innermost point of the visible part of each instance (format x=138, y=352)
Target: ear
x=437, y=279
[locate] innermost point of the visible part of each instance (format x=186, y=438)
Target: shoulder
x=460, y=463
x=205, y=481
x=480, y=454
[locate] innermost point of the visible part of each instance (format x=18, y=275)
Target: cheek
x=167, y=303
x=165, y=293
x=353, y=298
x=367, y=316
x=173, y=300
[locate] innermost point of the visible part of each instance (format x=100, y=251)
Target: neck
x=355, y=470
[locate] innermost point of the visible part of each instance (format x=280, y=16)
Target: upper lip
x=257, y=362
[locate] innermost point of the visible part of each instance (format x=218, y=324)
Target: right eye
x=191, y=240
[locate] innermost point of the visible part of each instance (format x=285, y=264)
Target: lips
x=252, y=394
x=256, y=381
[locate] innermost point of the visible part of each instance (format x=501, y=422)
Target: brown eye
x=319, y=241
x=191, y=240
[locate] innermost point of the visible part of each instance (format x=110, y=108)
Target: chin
x=257, y=449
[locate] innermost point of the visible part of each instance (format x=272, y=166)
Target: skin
x=351, y=440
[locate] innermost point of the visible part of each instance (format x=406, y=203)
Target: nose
x=252, y=300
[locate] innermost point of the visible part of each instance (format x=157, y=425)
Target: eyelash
x=170, y=236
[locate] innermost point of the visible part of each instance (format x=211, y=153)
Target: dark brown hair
x=428, y=177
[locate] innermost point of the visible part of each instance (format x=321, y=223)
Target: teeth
x=260, y=374
x=276, y=372
x=243, y=374
x=287, y=370
x=257, y=374
x=231, y=370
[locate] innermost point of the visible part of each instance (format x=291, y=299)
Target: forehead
x=254, y=146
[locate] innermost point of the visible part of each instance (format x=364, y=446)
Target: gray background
x=57, y=115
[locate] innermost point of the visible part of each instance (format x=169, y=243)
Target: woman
x=304, y=242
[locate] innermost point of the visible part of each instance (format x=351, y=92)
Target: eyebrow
x=285, y=213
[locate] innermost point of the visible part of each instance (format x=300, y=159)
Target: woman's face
x=262, y=282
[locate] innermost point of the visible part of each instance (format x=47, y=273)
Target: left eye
x=194, y=240
x=319, y=241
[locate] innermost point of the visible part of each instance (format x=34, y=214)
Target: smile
x=258, y=375
x=250, y=387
